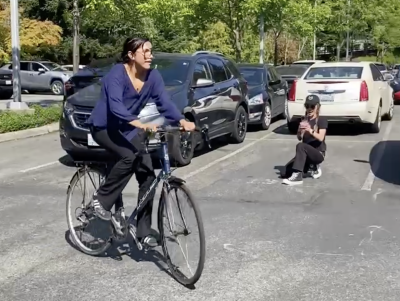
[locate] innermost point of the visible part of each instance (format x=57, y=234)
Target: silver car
x=38, y=76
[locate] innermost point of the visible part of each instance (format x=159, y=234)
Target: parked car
x=265, y=101
x=395, y=69
x=39, y=76
x=206, y=87
x=71, y=67
x=6, y=84
x=291, y=72
x=395, y=84
x=308, y=62
x=350, y=92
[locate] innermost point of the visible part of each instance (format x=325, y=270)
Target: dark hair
x=131, y=44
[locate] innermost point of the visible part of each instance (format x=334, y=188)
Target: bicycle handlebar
x=171, y=129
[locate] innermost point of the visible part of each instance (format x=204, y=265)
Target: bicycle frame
x=163, y=175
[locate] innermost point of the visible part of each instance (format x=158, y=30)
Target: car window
x=291, y=70
x=174, y=71
x=218, y=70
x=50, y=65
x=253, y=76
x=274, y=75
x=232, y=68
x=36, y=67
x=24, y=66
x=334, y=72
x=201, y=70
x=381, y=67
x=376, y=74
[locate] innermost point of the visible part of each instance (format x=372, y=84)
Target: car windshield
x=381, y=67
x=174, y=71
x=253, y=76
x=291, y=70
x=334, y=72
x=53, y=66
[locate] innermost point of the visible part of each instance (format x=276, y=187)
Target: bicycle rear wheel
x=175, y=228
x=91, y=235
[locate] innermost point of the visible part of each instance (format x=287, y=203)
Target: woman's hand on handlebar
x=145, y=127
x=187, y=125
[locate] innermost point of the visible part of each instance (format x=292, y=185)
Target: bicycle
x=121, y=227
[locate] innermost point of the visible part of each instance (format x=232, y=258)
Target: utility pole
x=262, y=36
x=348, y=32
x=16, y=104
x=315, y=31
x=75, y=51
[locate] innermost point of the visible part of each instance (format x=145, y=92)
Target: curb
x=46, y=129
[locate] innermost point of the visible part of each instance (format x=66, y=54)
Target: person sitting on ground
x=310, y=152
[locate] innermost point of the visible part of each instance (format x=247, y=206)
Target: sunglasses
x=307, y=106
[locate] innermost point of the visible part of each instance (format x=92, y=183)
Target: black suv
x=207, y=87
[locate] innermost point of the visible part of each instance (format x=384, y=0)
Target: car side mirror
x=203, y=82
x=388, y=77
x=42, y=70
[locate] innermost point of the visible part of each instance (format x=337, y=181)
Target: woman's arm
x=162, y=99
x=114, y=88
x=322, y=126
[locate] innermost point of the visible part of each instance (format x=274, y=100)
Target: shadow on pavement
x=333, y=130
x=384, y=160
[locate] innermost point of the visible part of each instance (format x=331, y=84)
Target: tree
x=34, y=34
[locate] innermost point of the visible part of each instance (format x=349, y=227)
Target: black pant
x=126, y=164
x=306, y=153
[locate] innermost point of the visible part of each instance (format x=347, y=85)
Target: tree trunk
x=276, y=47
x=238, y=46
x=286, y=48
x=338, y=47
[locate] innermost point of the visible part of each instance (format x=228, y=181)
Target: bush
x=13, y=121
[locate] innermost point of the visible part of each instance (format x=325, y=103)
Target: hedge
x=13, y=121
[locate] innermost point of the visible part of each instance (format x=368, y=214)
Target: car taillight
x=68, y=85
x=364, y=91
x=292, y=92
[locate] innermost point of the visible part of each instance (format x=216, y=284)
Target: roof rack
x=206, y=52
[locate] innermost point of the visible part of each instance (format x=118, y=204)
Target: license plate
x=325, y=97
x=90, y=141
x=8, y=82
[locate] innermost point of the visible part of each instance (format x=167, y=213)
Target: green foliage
x=12, y=121
x=227, y=26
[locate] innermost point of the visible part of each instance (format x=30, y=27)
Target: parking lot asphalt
x=335, y=238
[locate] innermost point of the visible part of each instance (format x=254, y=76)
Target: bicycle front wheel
x=175, y=228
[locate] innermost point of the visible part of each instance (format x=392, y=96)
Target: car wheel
x=6, y=95
x=240, y=126
x=389, y=115
x=266, y=116
x=293, y=127
x=182, y=148
x=285, y=113
x=57, y=87
x=376, y=126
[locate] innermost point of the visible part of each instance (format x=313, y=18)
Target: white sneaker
x=295, y=179
x=316, y=173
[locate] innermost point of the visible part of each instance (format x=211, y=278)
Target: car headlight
x=68, y=108
x=256, y=100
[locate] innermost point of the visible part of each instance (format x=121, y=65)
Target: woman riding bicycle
x=115, y=126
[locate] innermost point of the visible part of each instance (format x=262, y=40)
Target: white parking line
x=39, y=166
x=211, y=164
x=369, y=181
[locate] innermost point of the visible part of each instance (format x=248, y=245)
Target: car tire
x=376, y=126
x=266, y=116
x=6, y=95
x=182, y=147
x=57, y=87
x=389, y=115
x=239, y=126
x=285, y=113
x=293, y=127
